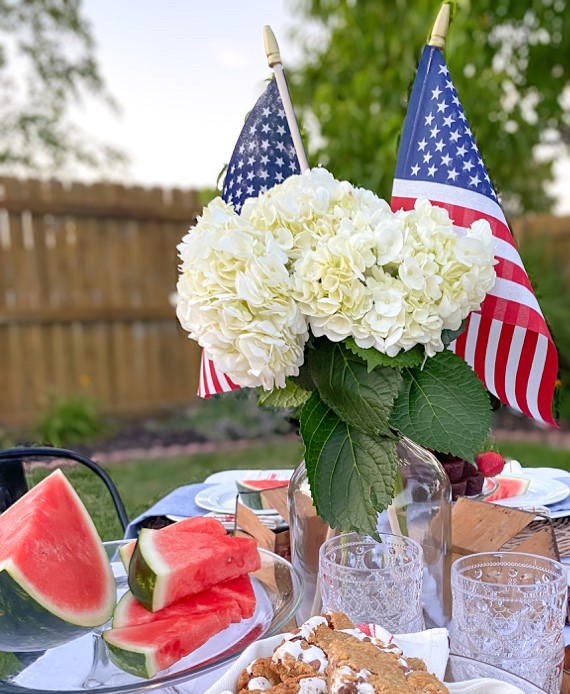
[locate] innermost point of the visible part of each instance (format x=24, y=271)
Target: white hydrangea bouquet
x=327, y=301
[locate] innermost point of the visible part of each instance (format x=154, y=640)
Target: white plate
x=514, y=468
x=226, y=476
x=221, y=498
x=540, y=492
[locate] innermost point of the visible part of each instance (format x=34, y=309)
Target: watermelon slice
x=199, y=524
x=240, y=590
x=145, y=649
x=249, y=492
x=508, y=487
x=236, y=594
x=167, y=568
x=55, y=579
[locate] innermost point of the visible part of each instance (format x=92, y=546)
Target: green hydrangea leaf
x=443, y=406
x=360, y=397
x=374, y=358
x=351, y=474
x=290, y=396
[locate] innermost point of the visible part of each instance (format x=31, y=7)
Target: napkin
x=180, y=502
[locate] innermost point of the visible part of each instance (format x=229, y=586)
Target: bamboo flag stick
x=439, y=31
x=274, y=60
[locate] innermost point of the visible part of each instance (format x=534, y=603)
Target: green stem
x=400, y=510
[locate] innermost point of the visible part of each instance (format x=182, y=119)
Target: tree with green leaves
x=510, y=62
x=48, y=65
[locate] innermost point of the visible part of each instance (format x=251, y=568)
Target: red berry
x=490, y=463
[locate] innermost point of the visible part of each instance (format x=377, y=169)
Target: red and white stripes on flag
x=506, y=342
x=213, y=381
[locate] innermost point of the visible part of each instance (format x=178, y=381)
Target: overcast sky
x=186, y=74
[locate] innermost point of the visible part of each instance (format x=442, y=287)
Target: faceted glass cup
x=374, y=582
x=509, y=610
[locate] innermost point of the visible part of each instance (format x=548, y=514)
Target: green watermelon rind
x=28, y=620
x=139, y=662
x=126, y=552
x=250, y=497
x=121, y=611
x=250, y=492
x=142, y=577
x=25, y=624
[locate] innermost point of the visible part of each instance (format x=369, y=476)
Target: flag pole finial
x=271, y=46
x=439, y=31
x=274, y=60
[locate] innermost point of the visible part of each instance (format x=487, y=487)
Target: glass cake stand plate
x=490, y=486
x=82, y=664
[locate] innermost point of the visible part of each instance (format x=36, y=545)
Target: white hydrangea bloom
x=235, y=298
x=316, y=252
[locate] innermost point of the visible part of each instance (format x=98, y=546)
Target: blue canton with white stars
x=437, y=144
x=264, y=154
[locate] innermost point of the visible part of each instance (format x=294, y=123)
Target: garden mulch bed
x=137, y=441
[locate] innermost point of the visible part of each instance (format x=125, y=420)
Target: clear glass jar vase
x=421, y=510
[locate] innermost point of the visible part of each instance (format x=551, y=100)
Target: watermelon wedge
x=249, y=491
x=164, y=569
x=508, y=487
x=55, y=579
x=236, y=594
x=240, y=590
x=145, y=649
x=199, y=524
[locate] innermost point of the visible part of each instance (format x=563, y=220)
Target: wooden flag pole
x=439, y=31
x=274, y=60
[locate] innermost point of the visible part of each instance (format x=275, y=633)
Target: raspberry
x=490, y=463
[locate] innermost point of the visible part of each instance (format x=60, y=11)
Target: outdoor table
x=181, y=503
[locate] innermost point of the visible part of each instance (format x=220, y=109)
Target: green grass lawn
x=143, y=482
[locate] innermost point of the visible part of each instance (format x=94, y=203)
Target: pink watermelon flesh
x=508, y=487
x=52, y=558
x=198, y=524
x=236, y=594
x=165, y=569
x=145, y=649
x=265, y=484
x=240, y=590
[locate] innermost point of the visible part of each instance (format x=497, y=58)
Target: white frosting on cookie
x=295, y=650
x=340, y=679
x=312, y=685
x=307, y=628
x=261, y=683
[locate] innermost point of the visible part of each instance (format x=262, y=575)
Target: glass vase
x=421, y=510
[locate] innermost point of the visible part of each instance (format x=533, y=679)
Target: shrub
x=70, y=419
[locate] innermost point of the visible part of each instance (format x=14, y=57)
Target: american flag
x=263, y=156
x=506, y=342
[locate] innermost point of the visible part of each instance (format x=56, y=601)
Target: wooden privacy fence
x=86, y=276
x=86, y=273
